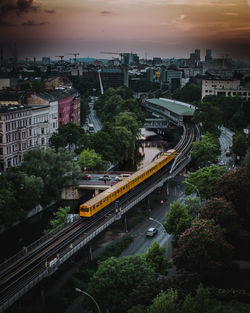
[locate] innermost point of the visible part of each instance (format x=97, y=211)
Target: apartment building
x=65, y=103
x=15, y=134
x=41, y=125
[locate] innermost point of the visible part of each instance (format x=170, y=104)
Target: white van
x=121, y=177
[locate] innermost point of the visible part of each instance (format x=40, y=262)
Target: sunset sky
x=165, y=28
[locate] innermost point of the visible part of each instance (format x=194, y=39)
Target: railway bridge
x=26, y=269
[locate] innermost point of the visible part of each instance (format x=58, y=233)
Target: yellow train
x=103, y=199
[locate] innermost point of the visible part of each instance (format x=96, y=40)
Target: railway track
x=20, y=275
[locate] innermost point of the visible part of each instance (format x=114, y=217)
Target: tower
x=208, y=56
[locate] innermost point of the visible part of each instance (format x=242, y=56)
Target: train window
x=109, y=196
x=104, y=200
x=97, y=205
x=124, y=188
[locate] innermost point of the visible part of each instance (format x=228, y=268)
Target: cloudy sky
x=165, y=28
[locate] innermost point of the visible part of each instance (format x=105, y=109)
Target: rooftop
x=11, y=108
x=177, y=107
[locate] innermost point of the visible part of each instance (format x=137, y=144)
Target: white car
x=151, y=232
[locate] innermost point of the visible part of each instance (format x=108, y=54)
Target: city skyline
x=160, y=28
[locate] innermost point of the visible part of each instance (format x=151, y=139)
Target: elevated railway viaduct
x=26, y=269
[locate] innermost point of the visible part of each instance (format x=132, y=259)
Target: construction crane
x=124, y=66
x=74, y=54
x=61, y=57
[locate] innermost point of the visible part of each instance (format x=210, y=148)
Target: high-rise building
x=197, y=54
x=208, y=56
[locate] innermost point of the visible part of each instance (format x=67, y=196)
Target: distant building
x=8, y=82
x=208, y=56
x=46, y=61
x=227, y=88
x=130, y=59
x=15, y=135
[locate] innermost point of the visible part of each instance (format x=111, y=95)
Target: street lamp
x=152, y=219
x=85, y=293
x=197, y=190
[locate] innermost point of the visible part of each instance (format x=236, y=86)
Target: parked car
x=221, y=163
x=228, y=153
x=105, y=177
x=86, y=177
x=151, y=232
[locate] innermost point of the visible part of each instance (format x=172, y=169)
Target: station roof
x=174, y=106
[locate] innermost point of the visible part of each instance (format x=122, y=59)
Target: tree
x=157, y=259
x=210, y=116
x=239, y=144
x=207, y=149
x=193, y=205
x=189, y=93
x=127, y=273
x=247, y=163
x=55, y=169
x=222, y=212
x=202, y=248
x=60, y=217
x=200, y=302
x=165, y=302
x=20, y=193
x=8, y=212
x=204, y=180
x=69, y=135
x=90, y=160
x=177, y=219
x=234, y=186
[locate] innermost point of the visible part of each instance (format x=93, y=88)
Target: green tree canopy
x=193, y=205
x=189, y=93
x=210, y=116
x=165, y=302
x=234, y=186
x=19, y=194
x=90, y=160
x=118, y=277
x=239, y=144
x=200, y=302
x=60, y=217
x=202, y=248
x=55, y=170
x=207, y=149
x=157, y=259
x=204, y=180
x=69, y=135
x=222, y=212
x=177, y=219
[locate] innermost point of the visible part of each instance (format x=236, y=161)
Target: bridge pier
x=125, y=224
x=90, y=253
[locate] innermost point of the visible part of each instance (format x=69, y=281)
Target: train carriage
x=108, y=196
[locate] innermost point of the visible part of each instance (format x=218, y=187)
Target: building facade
x=15, y=135
x=227, y=88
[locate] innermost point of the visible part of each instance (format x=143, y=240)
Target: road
x=92, y=117
x=225, y=142
x=141, y=243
